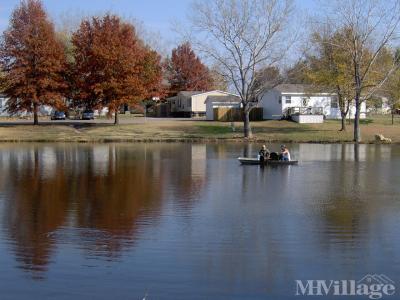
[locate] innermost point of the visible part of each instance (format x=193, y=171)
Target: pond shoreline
x=186, y=140
x=193, y=131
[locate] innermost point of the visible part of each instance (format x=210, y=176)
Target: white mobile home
x=380, y=104
x=299, y=100
x=3, y=101
x=44, y=110
x=191, y=104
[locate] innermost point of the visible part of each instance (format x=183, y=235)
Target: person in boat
x=285, y=154
x=264, y=153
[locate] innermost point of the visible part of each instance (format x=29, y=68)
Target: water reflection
x=105, y=191
x=163, y=214
x=36, y=205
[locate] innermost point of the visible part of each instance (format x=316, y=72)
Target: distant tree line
x=102, y=64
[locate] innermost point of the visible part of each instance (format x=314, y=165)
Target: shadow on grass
x=362, y=122
x=221, y=130
x=214, y=129
x=366, y=121
x=75, y=125
x=285, y=130
x=91, y=125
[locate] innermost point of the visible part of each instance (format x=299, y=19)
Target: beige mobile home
x=191, y=104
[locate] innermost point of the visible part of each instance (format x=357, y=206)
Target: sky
x=156, y=15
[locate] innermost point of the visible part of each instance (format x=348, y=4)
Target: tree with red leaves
x=32, y=61
x=151, y=74
x=112, y=67
x=186, y=72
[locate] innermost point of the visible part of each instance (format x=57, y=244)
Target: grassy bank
x=184, y=130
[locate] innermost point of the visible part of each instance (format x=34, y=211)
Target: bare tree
x=243, y=37
x=371, y=27
x=152, y=38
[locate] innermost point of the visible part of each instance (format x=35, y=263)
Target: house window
x=288, y=99
x=334, y=102
x=189, y=102
x=280, y=99
x=304, y=101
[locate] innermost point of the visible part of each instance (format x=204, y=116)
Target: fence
x=159, y=110
x=305, y=111
x=234, y=114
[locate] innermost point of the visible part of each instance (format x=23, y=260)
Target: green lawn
x=178, y=130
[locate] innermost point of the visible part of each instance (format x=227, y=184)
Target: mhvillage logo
x=373, y=286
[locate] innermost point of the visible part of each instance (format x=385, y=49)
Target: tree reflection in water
x=176, y=215
x=105, y=190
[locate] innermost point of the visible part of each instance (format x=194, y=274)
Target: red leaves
x=108, y=65
x=186, y=72
x=112, y=67
x=32, y=59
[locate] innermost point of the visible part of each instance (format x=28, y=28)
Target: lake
x=187, y=221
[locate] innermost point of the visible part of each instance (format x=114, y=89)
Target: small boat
x=256, y=161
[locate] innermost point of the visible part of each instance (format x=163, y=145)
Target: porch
x=306, y=115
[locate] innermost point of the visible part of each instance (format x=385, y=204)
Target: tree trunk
x=35, y=114
x=343, y=123
x=392, y=117
x=343, y=106
x=357, y=130
x=357, y=83
x=116, y=117
x=246, y=123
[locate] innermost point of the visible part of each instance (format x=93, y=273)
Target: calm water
x=183, y=221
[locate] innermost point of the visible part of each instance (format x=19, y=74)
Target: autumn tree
x=219, y=82
x=112, y=66
x=186, y=72
x=32, y=60
x=151, y=74
x=391, y=90
x=267, y=78
x=330, y=69
x=298, y=73
x=371, y=27
x=104, y=62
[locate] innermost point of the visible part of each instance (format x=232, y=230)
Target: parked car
x=58, y=115
x=88, y=115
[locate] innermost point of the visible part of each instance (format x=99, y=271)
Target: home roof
x=195, y=93
x=185, y=94
x=227, y=98
x=291, y=88
x=189, y=93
